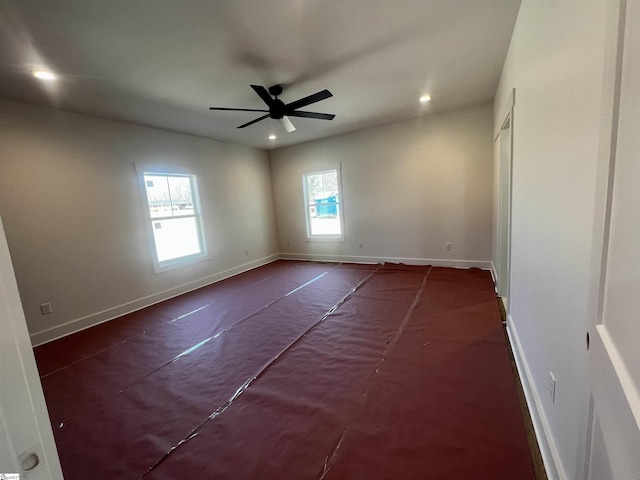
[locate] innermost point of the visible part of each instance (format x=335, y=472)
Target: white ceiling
x=162, y=63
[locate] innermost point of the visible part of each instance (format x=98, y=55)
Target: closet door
x=614, y=447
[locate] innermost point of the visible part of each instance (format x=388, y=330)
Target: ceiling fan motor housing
x=277, y=109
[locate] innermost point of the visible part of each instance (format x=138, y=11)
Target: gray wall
x=408, y=188
x=72, y=209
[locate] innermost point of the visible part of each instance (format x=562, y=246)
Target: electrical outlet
x=288, y=244
x=46, y=309
x=447, y=246
x=360, y=244
x=552, y=387
x=246, y=252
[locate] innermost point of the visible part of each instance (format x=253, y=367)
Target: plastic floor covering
x=295, y=370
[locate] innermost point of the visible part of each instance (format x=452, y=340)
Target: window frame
x=143, y=169
x=339, y=204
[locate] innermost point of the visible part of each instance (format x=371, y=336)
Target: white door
x=26, y=440
x=613, y=451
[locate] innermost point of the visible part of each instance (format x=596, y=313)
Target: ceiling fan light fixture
x=286, y=123
x=425, y=98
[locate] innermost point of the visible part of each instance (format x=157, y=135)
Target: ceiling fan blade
x=319, y=116
x=253, y=121
x=286, y=123
x=303, y=102
x=238, y=109
x=264, y=95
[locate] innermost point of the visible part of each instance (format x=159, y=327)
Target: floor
x=536, y=456
x=295, y=370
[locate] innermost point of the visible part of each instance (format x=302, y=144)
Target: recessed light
x=272, y=137
x=425, y=98
x=44, y=75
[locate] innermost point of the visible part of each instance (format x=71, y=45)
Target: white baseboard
x=88, y=321
x=548, y=448
x=76, y=325
x=436, y=262
x=494, y=275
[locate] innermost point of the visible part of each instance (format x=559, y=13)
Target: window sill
x=326, y=239
x=180, y=262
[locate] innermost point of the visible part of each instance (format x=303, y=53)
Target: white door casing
x=505, y=148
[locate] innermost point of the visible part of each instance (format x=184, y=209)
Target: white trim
x=337, y=167
x=89, y=321
x=184, y=169
x=505, y=188
x=548, y=449
x=511, y=102
x=159, y=266
x=625, y=378
x=436, y=262
x=494, y=275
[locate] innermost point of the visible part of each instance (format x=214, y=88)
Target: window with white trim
x=323, y=205
x=173, y=216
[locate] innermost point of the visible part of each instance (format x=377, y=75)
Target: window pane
x=323, y=203
x=158, y=195
x=324, y=224
x=322, y=185
x=176, y=237
x=181, y=199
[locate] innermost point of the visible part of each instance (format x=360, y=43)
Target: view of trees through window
x=322, y=197
x=322, y=185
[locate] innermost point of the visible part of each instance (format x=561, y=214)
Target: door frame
x=504, y=200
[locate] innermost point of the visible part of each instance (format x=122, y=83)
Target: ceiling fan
x=281, y=111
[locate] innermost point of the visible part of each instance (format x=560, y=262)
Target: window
x=173, y=215
x=323, y=205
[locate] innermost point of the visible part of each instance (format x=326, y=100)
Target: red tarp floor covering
x=295, y=370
